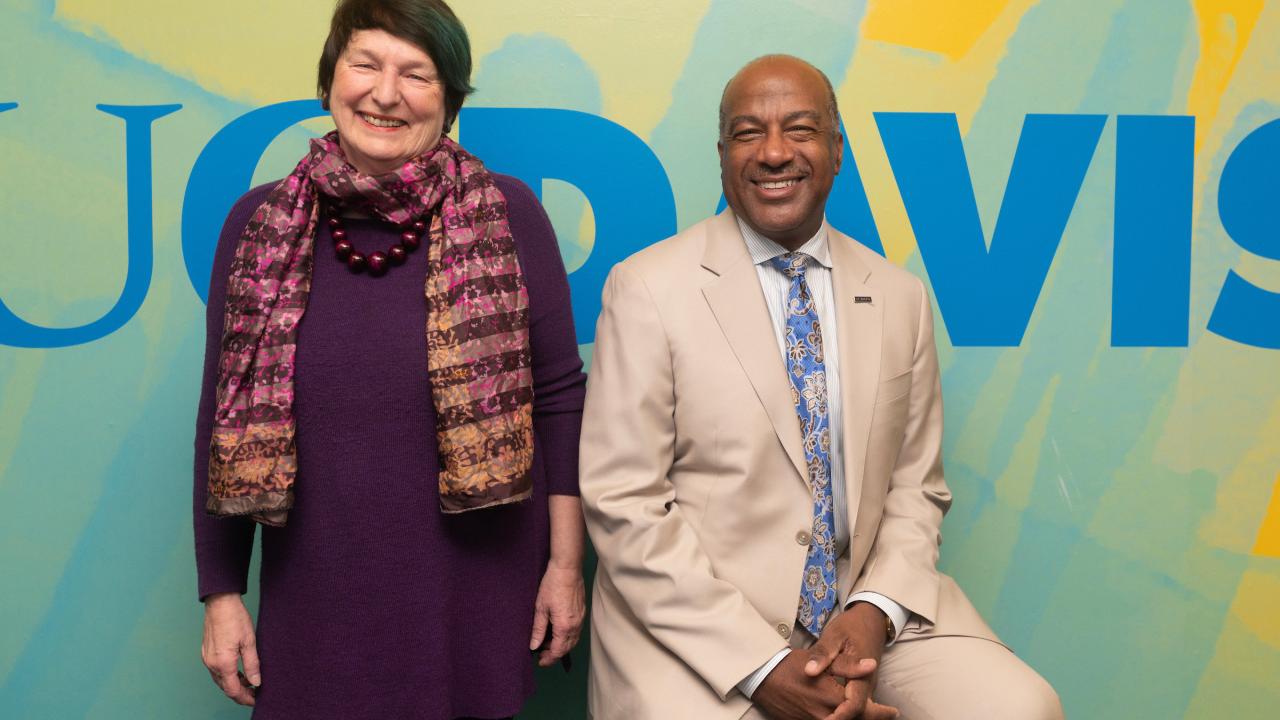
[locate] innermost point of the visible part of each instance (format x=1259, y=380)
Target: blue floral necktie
x=807, y=373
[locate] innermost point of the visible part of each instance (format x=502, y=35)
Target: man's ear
x=839, y=149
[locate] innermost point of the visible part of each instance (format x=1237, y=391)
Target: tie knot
x=792, y=264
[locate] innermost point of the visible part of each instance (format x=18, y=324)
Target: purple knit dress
x=373, y=603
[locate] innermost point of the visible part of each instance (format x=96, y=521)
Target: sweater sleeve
x=558, y=382
x=224, y=546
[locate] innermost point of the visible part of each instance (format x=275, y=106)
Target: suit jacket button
x=784, y=629
x=802, y=538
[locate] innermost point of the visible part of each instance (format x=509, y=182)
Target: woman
x=410, y=453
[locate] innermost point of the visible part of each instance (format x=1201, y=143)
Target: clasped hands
x=833, y=679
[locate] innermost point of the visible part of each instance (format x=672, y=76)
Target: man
x=761, y=460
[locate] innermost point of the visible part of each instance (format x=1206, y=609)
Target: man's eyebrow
x=803, y=115
x=789, y=118
x=743, y=119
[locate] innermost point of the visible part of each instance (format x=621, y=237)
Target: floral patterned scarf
x=477, y=334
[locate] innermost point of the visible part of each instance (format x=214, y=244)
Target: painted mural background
x=1117, y=514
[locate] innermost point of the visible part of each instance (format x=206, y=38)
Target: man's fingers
x=839, y=664
x=820, y=657
x=539, y=628
x=876, y=711
x=847, y=710
x=856, y=697
x=852, y=668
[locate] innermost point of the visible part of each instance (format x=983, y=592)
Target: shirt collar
x=762, y=249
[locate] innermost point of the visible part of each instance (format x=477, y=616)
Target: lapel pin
x=862, y=298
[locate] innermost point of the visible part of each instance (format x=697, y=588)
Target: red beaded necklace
x=376, y=263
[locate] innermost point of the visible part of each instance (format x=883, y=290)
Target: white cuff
x=897, y=614
x=751, y=683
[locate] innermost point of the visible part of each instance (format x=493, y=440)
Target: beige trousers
x=955, y=678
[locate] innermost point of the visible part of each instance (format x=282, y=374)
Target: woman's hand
x=229, y=639
x=561, y=604
x=562, y=597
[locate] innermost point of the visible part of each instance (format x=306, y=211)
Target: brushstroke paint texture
x=1116, y=472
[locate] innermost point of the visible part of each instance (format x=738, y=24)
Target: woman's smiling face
x=387, y=101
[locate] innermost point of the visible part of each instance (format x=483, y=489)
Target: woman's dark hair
x=429, y=24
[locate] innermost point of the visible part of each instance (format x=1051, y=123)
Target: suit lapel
x=738, y=304
x=860, y=321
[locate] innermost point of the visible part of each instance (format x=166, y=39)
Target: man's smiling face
x=780, y=148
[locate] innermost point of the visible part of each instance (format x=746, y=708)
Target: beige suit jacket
x=694, y=480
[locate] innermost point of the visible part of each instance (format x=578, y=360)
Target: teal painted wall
x=1116, y=514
